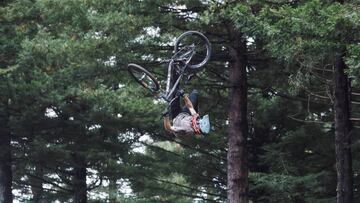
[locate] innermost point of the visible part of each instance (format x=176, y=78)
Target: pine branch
x=286, y=96
x=307, y=121
x=192, y=148
x=64, y=179
x=187, y=187
x=160, y=148
x=24, y=183
x=49, y=182
x=216, y=104
x=95, y=184
x=176, y=192
x=323, y=70
x=355, y=102
x=223, y=78
x=317, y=95
x=179, y=10
x=355, y=93
x=166, y=151
x=321, y=79
x=277, y=3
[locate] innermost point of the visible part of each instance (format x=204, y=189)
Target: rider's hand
x=180, y=93
x=165, y=113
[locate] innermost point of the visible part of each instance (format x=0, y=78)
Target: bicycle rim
x=195, y=45
x=143, y=77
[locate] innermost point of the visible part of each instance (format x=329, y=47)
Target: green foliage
x=287, y=188
x=65, y=91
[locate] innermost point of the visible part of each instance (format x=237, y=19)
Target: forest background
x=282, y=90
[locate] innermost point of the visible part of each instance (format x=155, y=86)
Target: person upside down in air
x=186, y=121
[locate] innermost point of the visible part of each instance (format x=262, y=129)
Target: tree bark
x=112, y=191
x=237, y=174
x=342, y=133
x=5, y=162
x=37, y=184
x=5, y=169
x=79, y=181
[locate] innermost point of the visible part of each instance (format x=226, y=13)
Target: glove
x=165, y=113
x=180, y=93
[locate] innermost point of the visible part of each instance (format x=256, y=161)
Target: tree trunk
x=5, y=162
x=342, y=133
x=112, y=191
x=79, y=181
x=237, y=174
x=37, y=184
x=5, y=169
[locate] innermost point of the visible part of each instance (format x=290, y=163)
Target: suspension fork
x=170, y=92
x=174, y=87
x=168, y=80
x=182, y=70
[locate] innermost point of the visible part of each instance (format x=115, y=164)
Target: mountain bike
x=192, y=51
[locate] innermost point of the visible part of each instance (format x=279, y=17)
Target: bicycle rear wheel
x=195, y=44
x=143, y=77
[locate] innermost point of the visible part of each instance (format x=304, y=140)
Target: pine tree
x=315, y=38
x=73, y=117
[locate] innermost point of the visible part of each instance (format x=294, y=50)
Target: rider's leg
x=194, y=100
x=175, y=108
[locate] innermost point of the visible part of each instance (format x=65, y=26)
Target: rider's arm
x=167, y=124
x=189, y=105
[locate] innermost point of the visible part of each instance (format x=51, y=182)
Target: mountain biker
x=186, y=121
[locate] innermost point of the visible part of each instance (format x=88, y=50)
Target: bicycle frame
x=180, y=63
x=169, y=92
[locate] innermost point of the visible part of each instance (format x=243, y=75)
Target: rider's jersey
x=182, y=125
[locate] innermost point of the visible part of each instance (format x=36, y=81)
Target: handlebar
x=165, y=61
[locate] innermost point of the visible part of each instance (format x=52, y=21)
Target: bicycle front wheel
x=143, y=77
x=195, y=45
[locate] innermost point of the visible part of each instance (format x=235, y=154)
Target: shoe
x=195, y=91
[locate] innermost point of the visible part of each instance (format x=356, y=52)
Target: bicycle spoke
x=143, y=77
